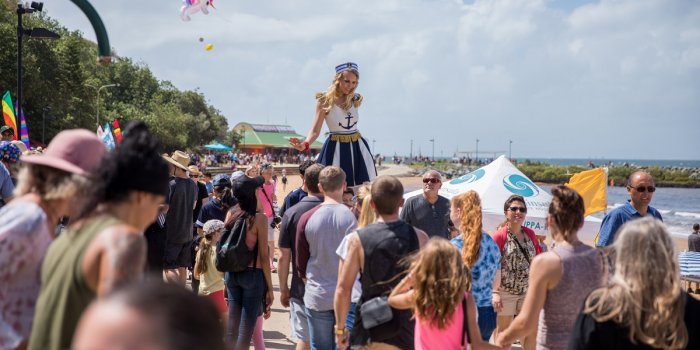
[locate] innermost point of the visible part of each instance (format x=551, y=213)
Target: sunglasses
x=643, y=189
x=520, y=209
x=431, y=180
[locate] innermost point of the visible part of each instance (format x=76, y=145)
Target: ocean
x=680, y=207
x=666, y=163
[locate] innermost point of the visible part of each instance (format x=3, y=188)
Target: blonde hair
x=50, y=183
x=440, y=281
x=470, y=225
x=644, y=295
x=367, y=214
x=326, y=99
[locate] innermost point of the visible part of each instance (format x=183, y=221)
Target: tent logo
x=469, y=178
x=520, y=185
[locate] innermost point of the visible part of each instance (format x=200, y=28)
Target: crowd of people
x=365, y=273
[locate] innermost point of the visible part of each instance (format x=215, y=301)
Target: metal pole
x=20, y=32
x=410, y=156
x=97, y=107
x=433, y=141
x=477, y=151
x=510, y=155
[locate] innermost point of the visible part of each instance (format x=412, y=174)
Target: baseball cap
x=221, y=180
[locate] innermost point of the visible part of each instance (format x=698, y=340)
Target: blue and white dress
x=345, y=147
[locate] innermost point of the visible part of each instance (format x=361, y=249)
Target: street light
x=410, y=156
x=477, y=152
x=39, y=33
x=373, y=148
x=433, y=142
x=510, y=144
x=97, y=106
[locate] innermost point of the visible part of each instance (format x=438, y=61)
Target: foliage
x=55, y=85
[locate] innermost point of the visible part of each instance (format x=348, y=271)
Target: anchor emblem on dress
x=349, y=126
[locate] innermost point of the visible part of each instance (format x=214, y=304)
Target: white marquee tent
x=496, y=182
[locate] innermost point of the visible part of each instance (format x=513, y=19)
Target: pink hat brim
x=57, y=163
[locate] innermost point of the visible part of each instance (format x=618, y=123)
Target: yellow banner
x=592, y=186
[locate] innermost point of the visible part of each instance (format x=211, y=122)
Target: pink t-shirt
x=427, y=336
x=267, y=203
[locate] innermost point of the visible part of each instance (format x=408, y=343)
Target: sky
x=612, y=79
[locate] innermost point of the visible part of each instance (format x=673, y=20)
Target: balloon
x=209, y=47
x=190, y=7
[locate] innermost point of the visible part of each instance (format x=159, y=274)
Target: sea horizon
x=665, y=163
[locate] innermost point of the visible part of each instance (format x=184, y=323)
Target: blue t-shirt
x=292, y=198
x=484, y=271
x=213, y=210
x=612, y=222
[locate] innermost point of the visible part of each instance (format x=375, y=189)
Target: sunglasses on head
x=515, y=209
x=431, y=180
x=643, y=189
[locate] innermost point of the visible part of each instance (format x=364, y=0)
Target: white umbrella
x=496, y=182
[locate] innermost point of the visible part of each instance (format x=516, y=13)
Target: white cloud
x=608, y=79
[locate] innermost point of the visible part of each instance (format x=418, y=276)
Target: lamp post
x=410, y=155
x=477, y=152
x=510, y=145
x=97, y=106
x=433, y=142
x=373, y=148
x=39, y=33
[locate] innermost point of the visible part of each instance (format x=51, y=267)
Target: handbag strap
x=268, y=198
x=465, y=323
x=522, y=250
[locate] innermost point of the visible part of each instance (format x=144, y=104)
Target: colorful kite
x=190, y=7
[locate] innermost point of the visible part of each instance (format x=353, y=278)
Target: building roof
x=268, y=136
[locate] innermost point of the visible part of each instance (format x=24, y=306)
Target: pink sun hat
x=76, y=151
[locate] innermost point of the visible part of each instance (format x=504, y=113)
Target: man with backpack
x=376, y=252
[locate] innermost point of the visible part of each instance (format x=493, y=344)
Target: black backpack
x=232, y=254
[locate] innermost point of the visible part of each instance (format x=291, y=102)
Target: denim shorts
x=298, y=322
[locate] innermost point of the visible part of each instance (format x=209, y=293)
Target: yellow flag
x=591, y=185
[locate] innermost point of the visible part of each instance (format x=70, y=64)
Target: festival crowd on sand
x=365, y=273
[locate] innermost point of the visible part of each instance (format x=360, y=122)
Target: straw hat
x=194, y=170
x=179, y=159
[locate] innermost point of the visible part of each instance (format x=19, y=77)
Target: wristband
x=306, y=146
x=340, y=331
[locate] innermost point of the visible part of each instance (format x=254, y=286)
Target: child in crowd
x=348, y=196
x=437, y=288
x=211, y=281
